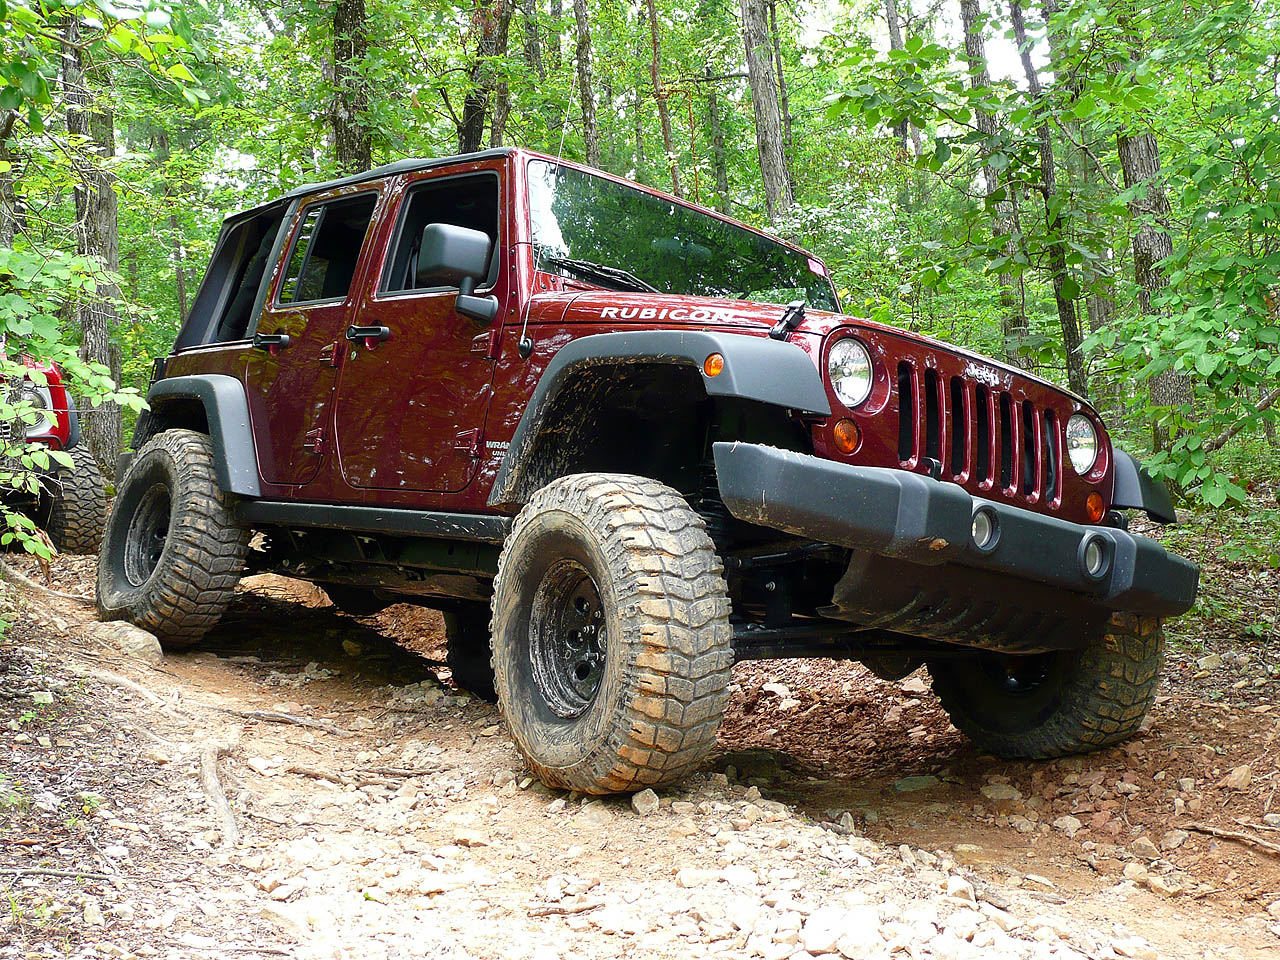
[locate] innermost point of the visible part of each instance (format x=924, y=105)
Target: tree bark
x=490, y=25
x=1055, y=241
x=784, y=102
x=352, y=138
x=1013, y=319
x=660, y=94
x=895, y=43
x=586, y=90
x=532, y=38
x=92, y=125
x=718, y=160
x=8, y=198
x=175, y=229
x=764, y=101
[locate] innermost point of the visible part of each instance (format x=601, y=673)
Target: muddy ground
x=375, y=811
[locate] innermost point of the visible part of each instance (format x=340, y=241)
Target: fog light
x=985, y=530
x=1093, y=558
x=847, y=436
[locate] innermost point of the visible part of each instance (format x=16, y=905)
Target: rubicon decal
x=698, y=315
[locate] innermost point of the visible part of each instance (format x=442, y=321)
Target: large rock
x=130, y=640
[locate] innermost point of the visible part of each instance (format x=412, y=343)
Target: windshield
x=608, y=233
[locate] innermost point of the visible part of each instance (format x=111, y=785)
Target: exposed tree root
x=1245, y=838
x=213, y=791
x=22, y=580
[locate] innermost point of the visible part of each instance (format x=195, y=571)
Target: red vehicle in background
x=70, y=503
x=623, y=441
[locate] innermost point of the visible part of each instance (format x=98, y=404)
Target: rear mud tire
x=78, y=506
x=172, y=553
x=1082, y=700
x=641, y=703
x=468, y=653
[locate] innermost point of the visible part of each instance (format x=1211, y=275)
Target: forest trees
x=993, y=174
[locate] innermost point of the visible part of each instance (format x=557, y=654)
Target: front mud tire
x=173, y=552
x=1082, y=700
x=78, y=508
x=613, y=579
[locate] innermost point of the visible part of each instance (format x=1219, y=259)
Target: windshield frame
x=524, y=185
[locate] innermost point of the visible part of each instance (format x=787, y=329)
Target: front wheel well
x=650, y=420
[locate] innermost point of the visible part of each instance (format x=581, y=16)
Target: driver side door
x=410, y=407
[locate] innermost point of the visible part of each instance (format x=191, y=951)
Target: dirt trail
x=843, y=817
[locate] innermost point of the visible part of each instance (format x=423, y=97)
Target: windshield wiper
x=600, y=271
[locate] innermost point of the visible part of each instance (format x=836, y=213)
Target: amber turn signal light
x=713, y=365
x=847, y=435
x=1094, y=507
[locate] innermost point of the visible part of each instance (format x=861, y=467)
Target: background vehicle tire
x=355, y=601
x=611, y=635
x=173, y=552
x=468, y=653
x=1048, y=705
x=78, y=505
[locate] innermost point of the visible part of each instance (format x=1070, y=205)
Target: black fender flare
x=227, y=413
x=1136, y=489
x=755, y=368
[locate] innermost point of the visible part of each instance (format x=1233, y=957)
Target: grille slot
x=957, y=427
x=1029, y=449
x=1006, y=442
x=932, y=417
x=1052, y=477
x=906, y=412
x=983, y=419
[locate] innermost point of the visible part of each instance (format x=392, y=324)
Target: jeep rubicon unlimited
x=623, y=441
x=69, y=503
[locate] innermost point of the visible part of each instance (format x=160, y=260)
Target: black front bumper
x=928, y=523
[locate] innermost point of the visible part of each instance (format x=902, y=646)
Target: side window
x=470, y=201
x=223, y=309
x=326, y=249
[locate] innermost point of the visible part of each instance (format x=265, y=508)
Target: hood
x=615, y=310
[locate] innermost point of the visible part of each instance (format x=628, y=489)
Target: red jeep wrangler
x=70, y=504
x=624, y=441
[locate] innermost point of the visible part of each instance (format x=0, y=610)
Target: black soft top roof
x=408, y=165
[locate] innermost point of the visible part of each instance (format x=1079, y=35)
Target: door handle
x=273, y=343
x=371, y=336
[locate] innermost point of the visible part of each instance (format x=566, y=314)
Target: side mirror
x=457, y=256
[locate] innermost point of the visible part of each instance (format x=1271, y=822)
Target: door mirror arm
x=484, y=309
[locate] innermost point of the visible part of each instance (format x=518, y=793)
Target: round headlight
x=1082, y=443
x=849, y=367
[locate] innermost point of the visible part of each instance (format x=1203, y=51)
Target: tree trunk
x=784, y=102
x=660, y=94
x=532, y=39
x=96, y=236
x=490, y=24
x=586, y=90
x=1055, y=241
x=352, y=139
x=895, y=43
x=718, y=160
x=764, y=101
x=175, y=230
x=8, y=199
x=1140, y=162
x=1013, y=319
x=557, y=18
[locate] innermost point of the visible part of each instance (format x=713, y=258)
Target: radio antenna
x=524, y=345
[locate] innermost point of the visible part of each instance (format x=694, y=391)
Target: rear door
x=291, y=373
x=411, y=405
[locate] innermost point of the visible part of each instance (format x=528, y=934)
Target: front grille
x=983, y=438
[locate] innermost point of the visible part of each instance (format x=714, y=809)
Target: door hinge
x=468, y=440
x=313, y=442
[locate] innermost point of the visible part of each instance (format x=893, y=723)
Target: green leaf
x=1085, y=107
